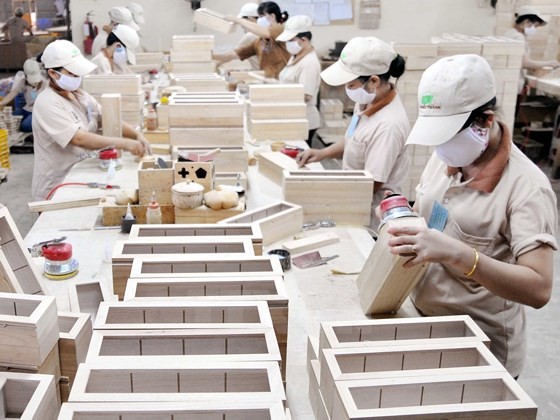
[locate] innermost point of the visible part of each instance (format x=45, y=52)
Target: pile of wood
x=192, y=54
x=433, y=367
x=332, y=117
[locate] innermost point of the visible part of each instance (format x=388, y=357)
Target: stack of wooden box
x=130, y=88
x=277, y=112
x=434, y=367
x=333, y=122
x=192, y=54
x=24, y=396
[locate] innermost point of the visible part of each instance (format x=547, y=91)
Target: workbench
x=315, y=294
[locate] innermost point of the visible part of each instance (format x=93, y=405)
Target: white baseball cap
x=295, y=25
x=129, y=38
x=249, y=10
x=529, y=10
x=137, y=13
x=449, y=90
x=32, y=71
x=360, y=57
x=62, y=53
x=123, y=15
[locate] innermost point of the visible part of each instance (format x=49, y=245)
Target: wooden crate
x=30, y=328
x=125, y=84
x=85, y=297
x=488, y=395
x=276, y=93
x=276, y=221
x=230, y=159
x=277, y=111
x=18, y=273
x=273, y=164
x=403, y=361
x=153, y=178
x=213, y=20
x=192, y=113
x=113, y=213
x=206, y=136
x=256, y=409
x=250, y=230
x=285, y=129
x=177, y=381
x=125, y=251
x=129, y=103
x=73, y=343
x=30, y=397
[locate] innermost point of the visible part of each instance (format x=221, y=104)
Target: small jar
x=151, y=120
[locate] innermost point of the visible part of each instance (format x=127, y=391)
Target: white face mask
x=530, y=31
x=263, y=21
x=68, y=83
x=360, y=95
x=293, y=47
x=119, y=56
x=465, y=147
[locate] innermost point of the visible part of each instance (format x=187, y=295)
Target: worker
x=272, y=54
x=28, y=83
x=527, y=20
x=66, y=118
x=15, y=27
x=113, y=59
x=492, y=212
x=250, y=12
x=137, y=13
x=118, y=15
x=303, y=67
x=375, y=138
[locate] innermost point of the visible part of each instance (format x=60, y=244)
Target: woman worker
x=119, y=52
x=375, y=139
x=272, y=54
x=65, y=120
x=303, y=67
x=492, y=212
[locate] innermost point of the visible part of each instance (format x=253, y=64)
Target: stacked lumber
x=410, y=368
x=24, y=396
x=192, y=53
x=277, y=112
x=130, y=88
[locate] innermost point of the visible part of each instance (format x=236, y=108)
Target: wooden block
x=25, y=396
x=277, y=93
x=230, y=159
x=177, y=381
x=446, y=49
x=276, y=221
x=206, y=136
x=213, y=20
x=185, y=114
x=244, y=76
x=64, y=389
x=153, y=178
x=231, y=178
x=125, y=84
x=112, y=114
x=203, y=67
x=157, y=137
x=204, y=214
x=315, y=397
x=383, y=283
x=489, y=395
x=73, y=343
x=353, y=214
x=85, y=297
x=310, y=242
x=270, y=111
x=30, y=328
x=273, y=164
x=294, y=129
x=112, y=213
x=200, y=172
x=18, y=272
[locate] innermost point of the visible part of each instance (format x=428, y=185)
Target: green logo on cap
x=343, y=55
x=427, y=99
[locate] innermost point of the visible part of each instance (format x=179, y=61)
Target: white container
x=187, y=195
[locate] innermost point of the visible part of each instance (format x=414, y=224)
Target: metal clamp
x=37, y=249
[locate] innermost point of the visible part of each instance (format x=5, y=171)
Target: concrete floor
x=542, y=370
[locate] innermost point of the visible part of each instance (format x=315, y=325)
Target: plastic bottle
x=153, y=213
x=162, y=111
x=151, y=120
x=111, y=171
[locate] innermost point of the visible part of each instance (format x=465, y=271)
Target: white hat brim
x=433, y=131
x=286, y=36
x=337, y=75
x=139, y=19
x=80, y=67
x=130, y=56
x=34, y=78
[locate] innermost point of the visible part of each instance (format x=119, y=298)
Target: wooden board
x=125, y=84
x=192, y=42
x=310, y=242
x=112, y=115
x=190, y=56
x=85, y=297
x=213, y=20
x=129, y=103
x=204, y=214
x=18, y=273
x=275, y=129
x=25, y=396
x=193, y=114
x=73, y=343
x=67, y=203
x=112, y=213
x=206, y=136
x=30, y=328
x=51, y=366
x=277, y=93
x=230, y=159
x=273, y=164
x=275, y=111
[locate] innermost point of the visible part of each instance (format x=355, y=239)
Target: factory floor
x=542, y=370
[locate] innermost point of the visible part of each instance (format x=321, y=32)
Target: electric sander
x=59, y=263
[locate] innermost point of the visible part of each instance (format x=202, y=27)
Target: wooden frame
x=489, y=395
x=206, y=136
x=230, y=159
x=273, y=164
x=74, y=338
x=29, y=397
x=175, y=380
x=276, y=221
x=200, y=84
x=85, y=297
x=213, y=20
x=18, y=273
x=30, y=328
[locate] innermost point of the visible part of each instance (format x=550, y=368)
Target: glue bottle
x=128, y=220
x=153, y=213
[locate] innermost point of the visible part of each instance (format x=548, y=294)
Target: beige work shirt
x=30, y=93
x=378, y=146
x=517, y=216
x=104, y=65
x=307, y=72
x=15, y=27
x=55, y=122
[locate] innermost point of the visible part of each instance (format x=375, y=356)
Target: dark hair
x=304, y=35
x=113, y=39
x=272, y=9
x=479, y=115
x=530, y=18
x=396, y=70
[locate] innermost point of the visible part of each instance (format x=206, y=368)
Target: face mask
x=465, y=147
x=530, y=31
x=360, y=95
x=68, y=83
x=34, y=94
x=293, y=47
x=263, y=21
x=119, y=56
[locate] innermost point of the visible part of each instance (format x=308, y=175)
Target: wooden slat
x=61, y=204
x=310, y=242
x=112, y=114
x=73, y=343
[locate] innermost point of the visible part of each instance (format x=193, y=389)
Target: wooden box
x=213, y=20
x=18, y=273
x=113, y=213
x=214, y=84
x=202, y=67
x=231, y=178
x=285, y=129
x=277, y=111
x=129, y=103
x=125, y=84
x=73, y=343
x=153, y=178
x=230, y=159
x=29, y=397
x=273, y=164
x=30, y=328
x=206, y=136
x=200, y=172
x=177, y=381
x=51, y=366
x=112, y=114
x=276, y=221
x=276, y=93
x=192, y=42
x=192, y=113
x=487, y=395
x=204, y=214
x=85, y=297
x=190, y=56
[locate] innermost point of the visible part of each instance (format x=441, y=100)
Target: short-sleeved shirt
x=518, y=36
x=15, y=27
x=517, y=216
x=272, y=55
x=245, y=41
x=30, y=93
x=104, y=65
x=306, y=71
x=378, y=146
x=55, y=122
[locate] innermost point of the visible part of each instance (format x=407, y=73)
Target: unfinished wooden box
x=51, y=366
x=73, y=343
x=276, y=221
x=112, y=213
x=279, y=129
x=315, y=397
x=175, y=380
x=230, y=159
x=235, y=179
x=487, y=395
x=277, y=111
x=276, y=93
x=125, y=84
x=125, y=252
x=202, y=67
x=206, y=136
x=30, y=328
x=129, y=103
x=152, y=178
x=112, y=114
x=200, y=84
x=273, y=164
x=18, y=273
x=193, y=113
x=29, y=397
x=85, y=297
x=213, y=20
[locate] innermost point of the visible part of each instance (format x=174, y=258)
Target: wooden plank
x=281, y=111
x=201, y=85
x=206, y=136
x=73, y=343
x=183, y=114
x=192, y=42
x=230, y=159
x=61, y=204
x=27, y=396
x=287, y=129
x=213, y=20
x=112, y=115
x=273, y=164
x=190, y=56
x=85, y=297
x=353, y=214
x=125, y=84
x=277, y=93
x=310, y=242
